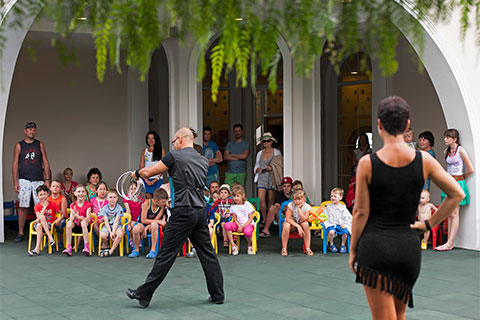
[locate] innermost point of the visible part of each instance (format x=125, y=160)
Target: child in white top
x=112, y=214
x=296, y=217
x=408, y=137
x=242, y=212
x=425, y=210
x=339, y=220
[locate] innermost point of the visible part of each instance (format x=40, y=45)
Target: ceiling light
x=239, y=19
x=354, y=72
x=82, y=18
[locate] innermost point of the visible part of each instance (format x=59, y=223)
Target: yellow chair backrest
x=256, y=217
x=217, y=220
x=127, y=218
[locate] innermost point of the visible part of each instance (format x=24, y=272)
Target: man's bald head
x=183, y=138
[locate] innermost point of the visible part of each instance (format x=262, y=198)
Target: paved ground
x=265, y=286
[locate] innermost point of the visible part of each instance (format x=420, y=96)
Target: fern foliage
x=128, y=31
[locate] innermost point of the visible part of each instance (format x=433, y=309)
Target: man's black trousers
x=192, y=223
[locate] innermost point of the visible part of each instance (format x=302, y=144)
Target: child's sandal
x=52, y=243
x=284, y=252
x=309, y=252
x=105, y=253
x=225, y=244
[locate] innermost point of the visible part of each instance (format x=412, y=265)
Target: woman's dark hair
x=394, y=113
x=427, y=135
x=157, y=147
x=452, y=133
x=363, y=134
x=93, y=171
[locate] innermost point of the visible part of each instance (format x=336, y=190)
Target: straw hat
x=268, y=136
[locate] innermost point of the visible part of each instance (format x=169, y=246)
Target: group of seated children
x=339, y=221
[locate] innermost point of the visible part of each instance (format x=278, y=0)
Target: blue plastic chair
x=281, y=218
x=10, y=205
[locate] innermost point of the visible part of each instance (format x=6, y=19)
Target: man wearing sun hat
x=30, y=169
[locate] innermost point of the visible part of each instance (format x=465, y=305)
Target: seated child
x=222, y=207
x=98, y=202
x=152, y=217
x=242, y=219
x=339, y=220
x=213, y=187
x=133, y=207
x=211, y=212
x=61, y=202
x=408, y=137
x=111, y=213
x=425, y=209
x=80, y=211
x=68, y=185
x=296, y=217
x=45, y=212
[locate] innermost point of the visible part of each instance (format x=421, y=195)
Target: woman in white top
x=459, y=167
x=262, y=173
x=151, y=155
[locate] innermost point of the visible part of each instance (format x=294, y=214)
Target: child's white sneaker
x=250, y=250
x=234, y=250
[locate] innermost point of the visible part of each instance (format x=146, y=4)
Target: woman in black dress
x=385, y=247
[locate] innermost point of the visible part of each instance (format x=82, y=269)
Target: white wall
x=82, y=122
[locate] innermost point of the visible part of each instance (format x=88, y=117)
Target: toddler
x=98, y=202
x=408, y=137
x=425, y=210
x=153, y=217
x=339, y=220
x=68, y=185
x=62, y=203
x=296, y=217
x=111, y=213
x=222, y=207
x=80, y=212
x=45, y=212
x=242, y=213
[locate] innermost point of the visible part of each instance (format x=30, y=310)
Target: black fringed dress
x=388, y=247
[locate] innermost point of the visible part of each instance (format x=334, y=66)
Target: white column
x=8, y=61
x=137, y=125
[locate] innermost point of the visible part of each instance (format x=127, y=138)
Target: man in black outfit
x=188, y=171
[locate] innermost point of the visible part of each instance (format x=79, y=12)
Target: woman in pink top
x=459, y=167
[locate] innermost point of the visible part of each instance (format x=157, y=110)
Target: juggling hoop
x=131, y=189
x=316, y=214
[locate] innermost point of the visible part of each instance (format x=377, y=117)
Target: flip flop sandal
x=34, y=253
x=225, y=244
x=284, y=252
x=264, y=235
x=52, y=243
x=104, y=253
x=309, y=252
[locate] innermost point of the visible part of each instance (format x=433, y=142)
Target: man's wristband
x=427, y=225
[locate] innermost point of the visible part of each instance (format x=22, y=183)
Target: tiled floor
x=265, y=286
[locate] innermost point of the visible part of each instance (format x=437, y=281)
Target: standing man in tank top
x=30, y=170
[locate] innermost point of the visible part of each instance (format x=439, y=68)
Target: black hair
x=157, y=147
x=93, y=171
x=427, y=135
x=363, y=134
x=207, y=129
x=394, y=113
x=238, y=125
x=42, y=188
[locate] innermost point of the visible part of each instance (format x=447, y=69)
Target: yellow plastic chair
x=256, y=218
x=125, y=220
x=33, y=232
x=75, y=236
x=214, y=237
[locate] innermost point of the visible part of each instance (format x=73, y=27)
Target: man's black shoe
x=19, y=238
x=215, y=301
x=132, y=294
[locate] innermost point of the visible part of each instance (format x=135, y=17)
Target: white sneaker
x=250, y=250
x=235, y=250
